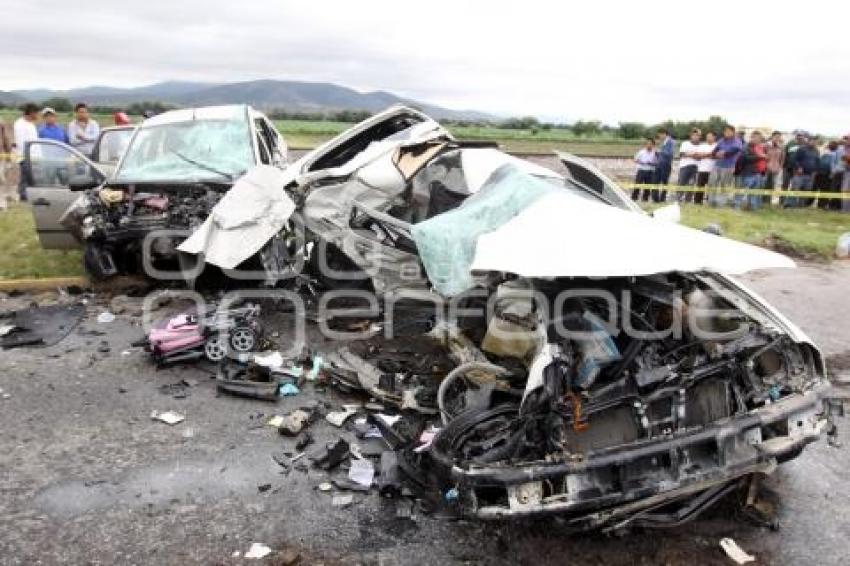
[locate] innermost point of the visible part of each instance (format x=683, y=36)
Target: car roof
x=224, y=112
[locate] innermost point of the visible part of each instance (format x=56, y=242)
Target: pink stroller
x=213, y=334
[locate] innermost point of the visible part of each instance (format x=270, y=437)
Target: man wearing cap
x=83, y=131
x=50, y=130
x=25, y=132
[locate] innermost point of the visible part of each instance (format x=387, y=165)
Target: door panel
x=383, y=247
x=50, y=168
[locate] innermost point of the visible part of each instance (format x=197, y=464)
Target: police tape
x=819, y=194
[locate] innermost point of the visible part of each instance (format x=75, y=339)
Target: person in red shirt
x=753, y=168
x=121, y=119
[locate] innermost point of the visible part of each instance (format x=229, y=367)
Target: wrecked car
x=176, y=167
x=606, y=366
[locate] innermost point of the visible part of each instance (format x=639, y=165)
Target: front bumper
x=609, y=483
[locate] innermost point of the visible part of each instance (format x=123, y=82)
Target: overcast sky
x=770, y=64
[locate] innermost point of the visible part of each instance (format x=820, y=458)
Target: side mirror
x=82, y=182
x=669, y=213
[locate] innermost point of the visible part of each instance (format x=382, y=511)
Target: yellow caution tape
x=739, y=191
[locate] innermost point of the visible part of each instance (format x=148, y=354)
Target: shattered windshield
x=192, y=150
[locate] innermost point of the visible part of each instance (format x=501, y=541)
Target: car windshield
x=193, y=150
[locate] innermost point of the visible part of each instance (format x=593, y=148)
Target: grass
x=307, y=134
x=22, y=256
x=805, y=233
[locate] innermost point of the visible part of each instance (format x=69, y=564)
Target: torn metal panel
x=245, y=218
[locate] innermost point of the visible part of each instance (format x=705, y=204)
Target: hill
x=292, y=96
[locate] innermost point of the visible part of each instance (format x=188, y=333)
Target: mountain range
x=292, y=96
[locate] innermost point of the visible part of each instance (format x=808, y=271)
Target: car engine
x=114, y=223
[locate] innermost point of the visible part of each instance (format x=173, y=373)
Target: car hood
x=562, y=235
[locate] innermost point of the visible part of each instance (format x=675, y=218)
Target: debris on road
x=361, y=472
x=338, y=418
x=288, y=390
x=293, y=423
x=247, y=380
x=105, y=317
x=342, y=500
x=331, y=455
x=735, y=552
x=168, y=417
x=39, y=325
x=258, y=550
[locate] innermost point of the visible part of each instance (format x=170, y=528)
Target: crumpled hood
x=563, y=235
x=245, y=218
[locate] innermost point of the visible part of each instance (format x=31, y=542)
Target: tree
x=589, y=127
x=524, y=123
x=58, y=104
x=632, y=130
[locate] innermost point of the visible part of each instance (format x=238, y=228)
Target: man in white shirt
x=25, y=131
x=705, y=165
x=646, y=160
x=688, y=162
x=83, y=131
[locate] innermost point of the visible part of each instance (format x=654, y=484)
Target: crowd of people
x=81, y=133
x=803, y=164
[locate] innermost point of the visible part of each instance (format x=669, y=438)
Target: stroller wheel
x=215, y=348
x=243, y=339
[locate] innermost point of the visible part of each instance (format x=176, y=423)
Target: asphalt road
x=86, y=477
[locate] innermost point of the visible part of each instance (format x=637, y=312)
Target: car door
x=51, y=169
x=587, y=175
x=110, y=147
x=383, y=247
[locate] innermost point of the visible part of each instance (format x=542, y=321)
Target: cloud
x=611, y=61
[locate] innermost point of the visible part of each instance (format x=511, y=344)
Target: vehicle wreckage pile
x=536, y=343
x=521, y=414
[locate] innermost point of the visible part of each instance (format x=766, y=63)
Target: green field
x=21, y=255
x=802, y=233
x=307, y=134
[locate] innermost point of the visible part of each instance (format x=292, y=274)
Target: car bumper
x=647, y=472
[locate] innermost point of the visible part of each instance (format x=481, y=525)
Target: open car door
x=54, y=171
x=110, y=147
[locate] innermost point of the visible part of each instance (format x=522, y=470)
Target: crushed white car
x=617, y=374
